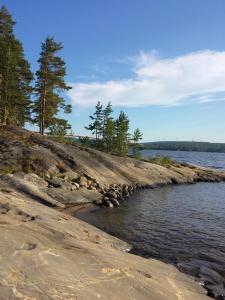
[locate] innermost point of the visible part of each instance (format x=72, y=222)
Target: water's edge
x=106, y=225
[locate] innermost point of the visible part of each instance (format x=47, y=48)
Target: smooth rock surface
x=45, y=254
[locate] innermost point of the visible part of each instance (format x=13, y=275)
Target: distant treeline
x=186, y=146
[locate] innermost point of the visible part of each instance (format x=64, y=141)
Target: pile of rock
x=67, y=181
x=118, y=192
x=73, y=181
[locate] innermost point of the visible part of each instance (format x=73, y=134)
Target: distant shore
x=185, y=146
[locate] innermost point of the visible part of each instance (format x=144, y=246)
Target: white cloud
x=195, y=77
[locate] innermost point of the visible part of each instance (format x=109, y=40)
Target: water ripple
x=183, y=225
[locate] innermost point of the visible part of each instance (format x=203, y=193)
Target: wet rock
x=174, y=180
x=111, y=195
x=108, y=203
x=97, y=202
x=105, y=198
x=114, y=201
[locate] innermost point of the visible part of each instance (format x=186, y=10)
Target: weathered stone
x=97, y=202
x=69, y=253
x=56, y=182
x=114, y=201
x=67, y=186
x=105, y=198
x=30, y=189
x=108, y=203
x=70, y=175
x=76, y=185
x=82, y=181
x=111, y=195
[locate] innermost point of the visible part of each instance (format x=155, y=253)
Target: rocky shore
x=70, y=259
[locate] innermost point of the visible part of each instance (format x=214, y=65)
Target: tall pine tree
x=121, y=138
x=135, y=139
x=16, y=77
x=96, y=126
x=108, y=128
x=50, y=85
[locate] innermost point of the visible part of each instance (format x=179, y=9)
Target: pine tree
x=16, y=77
x=96, y=126
x=122, y=127
x=108, y=128
x=136, y=138
x=49, y=86
x=59, y=129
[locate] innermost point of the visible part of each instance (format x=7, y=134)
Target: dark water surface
x=204, y=159
x=183, y=225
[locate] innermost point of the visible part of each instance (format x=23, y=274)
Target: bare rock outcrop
x=46, y=254
x=73, y=174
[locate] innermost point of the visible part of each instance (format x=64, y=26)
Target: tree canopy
x=49, y=86
x=16, y=77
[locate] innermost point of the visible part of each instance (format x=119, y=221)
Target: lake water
x=183, y=225
x=206, y=159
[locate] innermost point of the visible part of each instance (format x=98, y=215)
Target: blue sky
x=162, y=62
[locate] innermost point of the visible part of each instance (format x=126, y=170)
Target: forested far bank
x=185, y=146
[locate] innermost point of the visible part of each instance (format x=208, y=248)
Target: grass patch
x=164, y=161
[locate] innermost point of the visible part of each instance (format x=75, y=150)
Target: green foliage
x=108, y=129
x=16, y=107
x=16, y=77
x=121, y=134
x=112, y=135
x=160, y=160
x=49, y=86
x=135, y=139
x=96, y=125
x=58, y=130
x=85, y=141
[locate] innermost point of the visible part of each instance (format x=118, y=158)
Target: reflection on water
x=183, y=225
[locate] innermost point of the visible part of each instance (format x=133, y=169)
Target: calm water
x=183, y=225
x=206, y=159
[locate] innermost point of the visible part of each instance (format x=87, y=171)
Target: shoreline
x=136, y=251
x=77, y=257
x=71, y=210
x=41, y=182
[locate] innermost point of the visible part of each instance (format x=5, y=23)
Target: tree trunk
x=40, y=118
x=42, y=115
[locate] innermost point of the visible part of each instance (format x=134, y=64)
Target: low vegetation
x=160, y=160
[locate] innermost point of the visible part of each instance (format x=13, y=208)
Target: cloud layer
x=195, y=77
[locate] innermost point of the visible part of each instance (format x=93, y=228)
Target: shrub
x=161, y=160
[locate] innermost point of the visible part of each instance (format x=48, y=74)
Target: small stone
x=97, y=202
x=83, y=181
x=114, y=201
x=55, y=182
x=108, y=204
x=76, y=185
